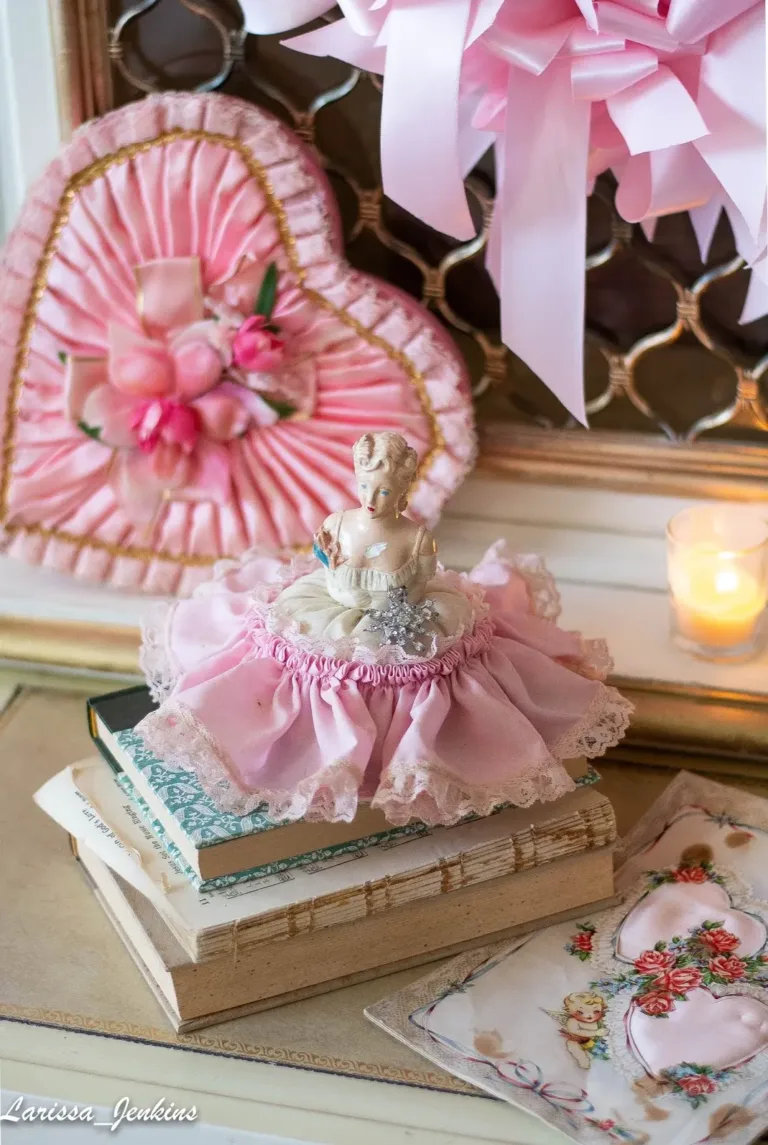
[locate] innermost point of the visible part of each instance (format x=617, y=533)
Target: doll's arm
x=326, y=546
x=427, y=556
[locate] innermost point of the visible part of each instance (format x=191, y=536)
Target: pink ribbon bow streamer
x=437, y=146
x=669, y=94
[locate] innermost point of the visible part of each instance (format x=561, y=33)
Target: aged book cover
x=87, y=802
x=196, y=994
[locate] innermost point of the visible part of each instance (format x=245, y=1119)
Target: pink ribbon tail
x=342, y=42
x=732, y=101
x=265, y=17
x=541, y=226
x=420, y=162
x=704, y=220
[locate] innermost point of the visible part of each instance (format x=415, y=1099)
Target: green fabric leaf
x=282, y=409
x=265, y=303
x=93, y=431
x=62, y=357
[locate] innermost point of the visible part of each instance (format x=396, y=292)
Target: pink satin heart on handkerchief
x=155, y=418
x=718, y=1032
x=675, y=909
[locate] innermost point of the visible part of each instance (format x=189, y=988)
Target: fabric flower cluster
x=194, y=374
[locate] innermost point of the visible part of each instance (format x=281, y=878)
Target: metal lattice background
x=664, y=351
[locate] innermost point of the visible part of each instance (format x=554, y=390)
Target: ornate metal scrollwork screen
x=677, y=389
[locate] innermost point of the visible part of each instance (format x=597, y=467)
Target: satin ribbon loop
x=584, y=43
x=692, y=20
x=533, y=50
x=655, y=113
x=601, y=77
x=636, y=26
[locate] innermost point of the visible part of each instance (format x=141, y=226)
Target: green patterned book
x=212, y=843
x=215, y=845
x=352, y=849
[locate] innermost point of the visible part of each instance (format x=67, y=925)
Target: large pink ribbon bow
x=669, y=94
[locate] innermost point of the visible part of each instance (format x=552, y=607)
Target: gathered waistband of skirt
x=270, y=645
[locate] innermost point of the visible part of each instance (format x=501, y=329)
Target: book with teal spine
x=216, y=845
x=354, y=847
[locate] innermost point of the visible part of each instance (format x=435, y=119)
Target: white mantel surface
x=606, y=550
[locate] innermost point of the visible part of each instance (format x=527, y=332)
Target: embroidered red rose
x=719, y=940
x=605, y=1125
x=690, y=875
x=682, y=979
x=582, y=941
x=656, y=1003
x=256, y=348
x=728, y=966
x=654, y=962
x=696, y=1084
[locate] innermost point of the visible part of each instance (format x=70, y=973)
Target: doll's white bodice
x=355, y=587
x=332, y=604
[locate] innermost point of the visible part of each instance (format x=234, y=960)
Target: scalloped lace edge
x=177, y=737
x=421, y=791
x=603, y=725
x=426, y=792
x=542, y=589
x=155, y=658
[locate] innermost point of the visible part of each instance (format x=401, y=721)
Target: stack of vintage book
x=225, y=915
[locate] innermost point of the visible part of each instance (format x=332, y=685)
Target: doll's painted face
x=381, y=492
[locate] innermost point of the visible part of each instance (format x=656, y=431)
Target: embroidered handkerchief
x=646, y=1023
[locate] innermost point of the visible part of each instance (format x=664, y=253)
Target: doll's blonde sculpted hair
x=388, y=451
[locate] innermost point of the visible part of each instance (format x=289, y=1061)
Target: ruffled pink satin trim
x=325, y=668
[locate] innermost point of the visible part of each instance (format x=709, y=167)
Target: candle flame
x=727, y=580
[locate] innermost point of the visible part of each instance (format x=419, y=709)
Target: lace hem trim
x=179, y=739
x=426, y=792
x=603, y=725
x=155, y=657
x=421, y=791
x=541, y=586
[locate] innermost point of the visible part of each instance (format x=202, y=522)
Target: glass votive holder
x=718, y=575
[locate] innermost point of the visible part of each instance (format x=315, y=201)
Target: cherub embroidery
x=581, y=1024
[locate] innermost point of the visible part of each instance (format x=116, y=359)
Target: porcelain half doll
x=369, y=673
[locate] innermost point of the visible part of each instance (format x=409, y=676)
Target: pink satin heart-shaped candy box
x=187, y=358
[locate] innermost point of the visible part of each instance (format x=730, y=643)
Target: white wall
x=29, y=111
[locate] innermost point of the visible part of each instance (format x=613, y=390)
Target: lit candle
x=717, y=574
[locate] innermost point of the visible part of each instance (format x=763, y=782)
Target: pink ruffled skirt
x=264, y=720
